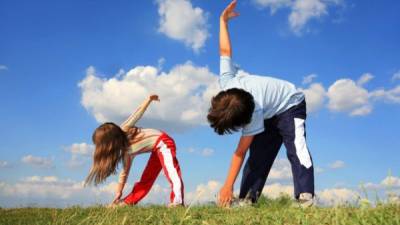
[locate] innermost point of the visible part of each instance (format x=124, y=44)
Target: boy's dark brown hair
x=230, y=110
x=111, y=145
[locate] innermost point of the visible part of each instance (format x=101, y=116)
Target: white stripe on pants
x=171, y=172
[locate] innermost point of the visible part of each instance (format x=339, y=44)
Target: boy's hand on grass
x=229, y=12
x=225, y=196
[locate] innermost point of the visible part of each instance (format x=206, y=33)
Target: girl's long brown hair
x=111, y=145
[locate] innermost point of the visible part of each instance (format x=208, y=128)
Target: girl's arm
x=134, y=117
x=123, y=176
x=226, y=192
x=224, y=40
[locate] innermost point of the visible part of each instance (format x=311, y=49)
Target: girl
x=115, y=144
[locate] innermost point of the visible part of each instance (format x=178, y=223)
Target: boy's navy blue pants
x=287, y=128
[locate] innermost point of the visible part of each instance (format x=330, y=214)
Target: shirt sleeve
x=227, y=70
x=256, y=124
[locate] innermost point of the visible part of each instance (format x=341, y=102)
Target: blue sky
x=53, y=53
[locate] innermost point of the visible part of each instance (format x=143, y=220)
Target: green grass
x=265, y=212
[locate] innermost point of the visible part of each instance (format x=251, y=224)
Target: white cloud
x=333, y=196
x=346, y=96
x=281, y=170
x=4, y=164
x=388, y=189
x=319, y=170
x=337, y=196
x=274, y=5
x=80, y=153
x=45, y=179
x=207, y=152
x=363, y=110
x=305, y=10
x=370, y=186
x=301, y=11
x=391, y=181
x=191, y=150
x=204, y=193
x=315, y=97
x=55, y=192
x=3, y=67
x=337, y=164
x=52, y=191
x=80, y=149
x=191, y=87
x=389, y=96
x=77, y=161
x=365, y=78
x=160, y=63
x=276, y=190
x=181, y=21
x=158, y=195
x=185, y=93
x=38, y=161
x=396, y=76
x=309, y=78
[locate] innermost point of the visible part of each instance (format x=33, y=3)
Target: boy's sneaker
x=241, y=202
x=305, y=200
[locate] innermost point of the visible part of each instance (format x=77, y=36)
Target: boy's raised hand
x=229, y=12
x=154, y=98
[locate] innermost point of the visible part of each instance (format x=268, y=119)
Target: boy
x=270, y=112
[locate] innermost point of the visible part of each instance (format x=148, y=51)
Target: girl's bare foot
x=117, y=204
x=175, y=205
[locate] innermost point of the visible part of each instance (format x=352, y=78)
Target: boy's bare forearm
x=236, y=164
x=237, y=160
x=225, y=48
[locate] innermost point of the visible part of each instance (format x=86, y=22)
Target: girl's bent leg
x=167, y=154
x=141, y=188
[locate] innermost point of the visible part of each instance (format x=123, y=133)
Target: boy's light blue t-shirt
x=271, y=96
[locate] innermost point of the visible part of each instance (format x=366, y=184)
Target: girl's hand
x=117, y=197
x=154, y=98
x=225, y=196
x=229, y=12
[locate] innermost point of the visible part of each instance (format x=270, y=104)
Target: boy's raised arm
x=227, y=69
x=225, y=48
x=134, y=117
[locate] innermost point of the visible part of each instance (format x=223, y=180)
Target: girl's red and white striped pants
x=162, y=157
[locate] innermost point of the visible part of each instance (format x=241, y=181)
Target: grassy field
x=266, y=212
